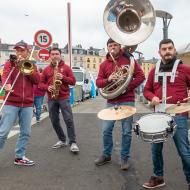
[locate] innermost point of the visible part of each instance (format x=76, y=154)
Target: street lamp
x=166, y=17
x=140, y=54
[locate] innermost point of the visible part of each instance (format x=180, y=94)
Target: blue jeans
x=38, y=101
x=9, y=116
x=126, y=134
x=182, y=144
x=65, y=107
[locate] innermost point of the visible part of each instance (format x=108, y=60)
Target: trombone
x=26, y=67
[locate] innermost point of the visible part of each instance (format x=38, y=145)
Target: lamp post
x=166, y=17
x=140, y=54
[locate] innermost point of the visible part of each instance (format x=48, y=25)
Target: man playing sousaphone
x=115, y=59
x=20, y=98
x=169, y=78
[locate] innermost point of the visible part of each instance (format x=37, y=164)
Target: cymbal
x=116, y=113
x=178, y=108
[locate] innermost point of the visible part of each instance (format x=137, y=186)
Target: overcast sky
x=21, y=19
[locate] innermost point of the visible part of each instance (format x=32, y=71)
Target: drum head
x=154, y=123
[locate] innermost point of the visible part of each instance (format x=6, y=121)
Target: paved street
x=61, y=170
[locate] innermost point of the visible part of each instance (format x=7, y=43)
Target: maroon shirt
x=23, y=92
x=108, y=67
x=38, y=91
x=178, y=90
x=68, y=79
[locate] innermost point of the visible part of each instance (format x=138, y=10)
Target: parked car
x=83, y=80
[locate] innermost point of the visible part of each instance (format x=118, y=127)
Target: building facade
x=183, y=53
x=89, y=59
x=147, y=65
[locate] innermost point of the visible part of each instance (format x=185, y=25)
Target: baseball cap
x=22, y=45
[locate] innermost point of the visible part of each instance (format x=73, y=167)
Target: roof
x=184, y=49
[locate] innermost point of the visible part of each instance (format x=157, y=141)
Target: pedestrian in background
x=39, y=94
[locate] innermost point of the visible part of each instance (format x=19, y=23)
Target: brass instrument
x=118, y=86
x=26, y=67
x=56, y=83
x=127, y=22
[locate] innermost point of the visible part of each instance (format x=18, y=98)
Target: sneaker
x=102, y=160
x=124, y=164
x=59, y=144
x=23, y=162
x=74, y=147
x=154, y=182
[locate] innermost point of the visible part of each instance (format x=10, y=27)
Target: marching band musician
x=176, y=86
x=59, y=97
x=19, y=103
x=116, y=57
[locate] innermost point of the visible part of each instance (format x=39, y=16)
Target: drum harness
x=164, y=76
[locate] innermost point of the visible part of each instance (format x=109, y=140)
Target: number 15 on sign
x=43, y=38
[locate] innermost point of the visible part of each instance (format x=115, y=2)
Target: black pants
x=65, y=107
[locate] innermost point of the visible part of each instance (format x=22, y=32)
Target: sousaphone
x=127, y=22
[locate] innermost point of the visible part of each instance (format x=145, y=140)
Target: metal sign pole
x=69, y=33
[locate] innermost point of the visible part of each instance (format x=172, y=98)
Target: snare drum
x=155, y=127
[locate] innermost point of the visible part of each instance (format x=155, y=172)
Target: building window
x=100, y=60
x=94, y=66
x=81, y=59
x=94, y=61
x=75, y=58
x=88, y=60
x=81, y=52
x=88, y=65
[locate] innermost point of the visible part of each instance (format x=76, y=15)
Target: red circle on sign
x=43, y=38
x=43, y=54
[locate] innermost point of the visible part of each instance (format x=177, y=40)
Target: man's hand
x=59, y=76
x=155, y=101
x=112, y=77
x=8, y=87
x=50, y=88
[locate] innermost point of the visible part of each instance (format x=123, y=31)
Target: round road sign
x=43, y=54
x=43, y=38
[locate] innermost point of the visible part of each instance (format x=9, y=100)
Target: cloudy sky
x=21, y=19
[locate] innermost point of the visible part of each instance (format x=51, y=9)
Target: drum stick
x=185, y=99
x=167, y=98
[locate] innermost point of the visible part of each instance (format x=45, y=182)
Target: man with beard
x=177, y=85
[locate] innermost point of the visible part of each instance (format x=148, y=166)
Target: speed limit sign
x=43, y=38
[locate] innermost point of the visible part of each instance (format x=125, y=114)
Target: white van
x=83, y=80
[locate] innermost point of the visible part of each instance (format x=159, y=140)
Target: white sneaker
x=74, y=147
x=59, y=144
